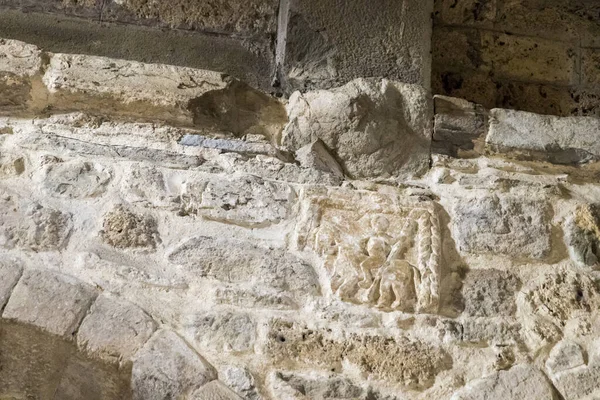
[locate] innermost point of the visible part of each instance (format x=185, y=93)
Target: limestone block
x=125, y=229
x=490, y=293
x=328, y=45
x=222, y=332
x=291, y=386
x=465, y=12
x=214, y=390
x=241, y=381
x=10, y=272
x=410, y=363
x=247, y=18
x=246, y=201
x=582, y=235
x=167, y=368
x=245, y=264
x=19, y=63
x=150, y=186
x=107, y=85
x=521, y=382
x=578, y=383
x=114, y=330
x=564, y=356
x=373, y=128
x=562, y=140
x=52, y=302
x=508, y=225
x=590, y=66
x=31, y=226
x=316, y=156
x=460, y=127
x=76, y=179
x=486, y=331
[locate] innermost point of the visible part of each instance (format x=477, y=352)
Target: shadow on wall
x=39, y=365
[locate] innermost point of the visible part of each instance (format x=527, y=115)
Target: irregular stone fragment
x=564, y=356
x=167, y=368
x=373, y=128
x=222, y=331
x=127, y=87
x=234, y=145
x=11, y=165
x=582, y=235
x=246, y=201
x=10, y=272
x=315, y=155
x=460, y=127
x=148, y=185
x=124, y=229
x=214, y=390
x=19, y=62
x=242, y=262
x=55, y=303
x=489, y=293
x=114, y=330
x=32, y=226
x=241, y=381
x=411, y=363
x=513, y=226
x=560, y=140
x=76, y=179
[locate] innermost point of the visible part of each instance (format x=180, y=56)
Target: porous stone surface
x=373, y=127
x=141, y=259
x=55, y=303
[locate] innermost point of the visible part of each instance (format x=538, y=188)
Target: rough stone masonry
x=175, y=233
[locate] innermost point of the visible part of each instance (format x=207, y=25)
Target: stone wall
x=538, y=56
x=276, y=45
x=173, y=233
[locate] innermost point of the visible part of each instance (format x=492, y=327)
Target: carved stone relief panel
x=379, y=249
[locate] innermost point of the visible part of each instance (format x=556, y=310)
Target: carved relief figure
x=388, y=260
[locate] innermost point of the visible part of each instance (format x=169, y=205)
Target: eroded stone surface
x=222, y=332
x=76, y=179
x=53, y=302
x=10, y=272
x=582, y=235
x=521, y=382
x=374, y=128
x=166, y=367
x=114, y=330
x=503, y=225
x=19, y=62
x=490, y=293
x=214, y=390
x=125, y=229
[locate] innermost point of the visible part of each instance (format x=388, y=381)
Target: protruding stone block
x=560, y=140
x=114, y=330
x=52, y=302
x=19, y=62
x=373, y=128
x=167, y=368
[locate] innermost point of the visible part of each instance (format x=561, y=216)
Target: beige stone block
x=19, y=63
x=52, y=302
x=214, y=390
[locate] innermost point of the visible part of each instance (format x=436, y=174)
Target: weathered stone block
x=565, y=355
x=522, y=382
x=511, y=226
x=127, y=87
x=222, y=331
x=10, y=272
x=76, y=179
x=410, y=363
x=590, y=67
x=582, y=235
x=247, y=18
x=214, y=390
x=373, y=128
x=32, y=226
x=246, y=201
x=114, y=330
x=465, y=12
x=241, y=381
x=331, y=45
x=561, y=140
x=80, y=8
x=125, y=229
x=241, y=262
x=167, y=368
x=460, y=127
x=19, y=62
x=52, y=302
x=490, y=293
